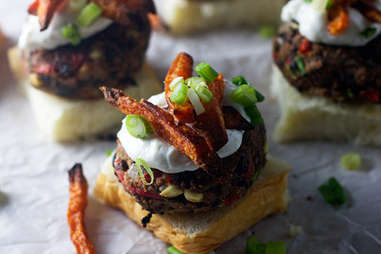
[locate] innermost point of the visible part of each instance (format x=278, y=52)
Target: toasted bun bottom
x=184, y=16
x=66, y=120
x=203, y=232
x=308, y=118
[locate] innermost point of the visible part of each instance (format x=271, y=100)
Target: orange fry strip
x=182, y=137
x=182, y=66
x=211, y=122
x=46, y=10
x=32, y=10
x=76, y=210
x=338, y=19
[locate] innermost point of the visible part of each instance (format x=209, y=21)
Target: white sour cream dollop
x=165, y=157
x=313, y=24
x=32, y=38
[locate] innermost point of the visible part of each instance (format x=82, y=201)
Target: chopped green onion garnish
x=301, y=66
x=179, y=94
x=333, y=192
x=351, y=161
x=175, y=82
x=276, y=248
x=206, y=72
x=109, y=152
x=173, y=250
x=260, y=96
x=369, y=32
x=137, y=126
x=254, y=247
x=254, y=114
x=71, y=33
x=244, y=95
x=239, y=80
x=201, y=88
x=139, y=163
x=267, y=31
x=329, y=4
x=89, y=14
x=308, y=1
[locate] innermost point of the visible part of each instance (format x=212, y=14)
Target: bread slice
x=186, y=16
x=204, y=232
x=66, y=120
x=309, y=118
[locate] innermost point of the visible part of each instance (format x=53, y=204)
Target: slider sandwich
x=186, y=16
x=327, y=71
x=191, y=164
x=67, y=49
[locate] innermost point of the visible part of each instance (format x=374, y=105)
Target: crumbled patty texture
x=109, y=58
x=235, y=178
x=343, y=74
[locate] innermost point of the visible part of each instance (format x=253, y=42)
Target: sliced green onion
x=308, y=1
x=109, y=152
x=244, y=95
x=195, y=100
x=179, y=94
x=267, y=31
x=137, y=126
x=333, y=192
x=329, y=4
x=173, y=250
x=254, y=247
x=276, y=248
x=301, y=66
x=139, y=163
x=71, y=33
x=201, y=88
x=254, y=115
x=239, y=80
x=206, y=72
x=369, y=32
x=77, y=5
x=351, y=161
x=175, y=82
x=260, y=96
x=89, y=14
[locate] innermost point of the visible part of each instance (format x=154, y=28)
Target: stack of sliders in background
x=186, y=16
x=67, y=49
x=191, y=163
x=327, y=71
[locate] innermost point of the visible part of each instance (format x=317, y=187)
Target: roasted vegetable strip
x=234, y=120
x=182, y=66
x=182, y=137
x=76, y=210
x=120, y=10
x=211, y=122
x=45, y=10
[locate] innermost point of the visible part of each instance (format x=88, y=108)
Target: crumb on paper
x=295, y=230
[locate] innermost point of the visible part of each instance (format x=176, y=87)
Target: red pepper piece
x=305, y=46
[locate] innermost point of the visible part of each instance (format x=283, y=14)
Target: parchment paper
x=33, y=171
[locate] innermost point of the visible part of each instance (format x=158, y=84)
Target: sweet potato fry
x=120, y=10
x=76, y=210
x=182, y=66
x=338, y=19
x=45, y=11
x=370, y=13
x=181, y=136
x=32, y=10
x=211, y=123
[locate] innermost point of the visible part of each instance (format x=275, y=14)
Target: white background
x=33, y=171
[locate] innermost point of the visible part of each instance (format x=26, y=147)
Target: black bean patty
x=343, y=74
x=109, y=58
x=237, y=175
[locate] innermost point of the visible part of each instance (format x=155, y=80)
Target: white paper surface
x=33, y=171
